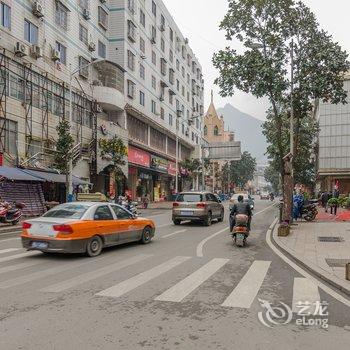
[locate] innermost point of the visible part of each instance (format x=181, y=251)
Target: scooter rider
x=240, y=208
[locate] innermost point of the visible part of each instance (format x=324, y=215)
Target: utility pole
x=292, y=124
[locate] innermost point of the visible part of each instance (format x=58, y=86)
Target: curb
x=307, y=267
x=10, y=230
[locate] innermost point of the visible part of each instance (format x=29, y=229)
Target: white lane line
x=86, y=277
x=10, y=239
x=9, y=250
x=204, y=241
x=164, y=225
x=10, y=233
x=18, y=256
x=248, y=287
x=18, y=266
x=201, y=244
x=297, y=268
x=182, y=289
x=174, y=233
x=144, y=277
x=305, y=291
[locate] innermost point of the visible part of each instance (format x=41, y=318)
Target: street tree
x=243, y=170
x=194, y=168
x=271, y=175
x=280, y=37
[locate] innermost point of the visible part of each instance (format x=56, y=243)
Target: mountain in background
x=247, y=129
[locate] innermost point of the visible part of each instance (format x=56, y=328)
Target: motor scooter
x=11, y=214
x=240, y=231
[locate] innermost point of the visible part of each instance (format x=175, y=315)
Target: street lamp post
x=178, y=116
x=69, y=189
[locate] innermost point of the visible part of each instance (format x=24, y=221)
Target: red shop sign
x=139, y=157
x=172, y=168
x=1, y=159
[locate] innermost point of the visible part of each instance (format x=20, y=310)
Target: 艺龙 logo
x=274, y=315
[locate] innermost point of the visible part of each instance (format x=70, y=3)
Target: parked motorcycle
x=11, y=214
x=240, y=231
x=309, y=212
x=272, y=197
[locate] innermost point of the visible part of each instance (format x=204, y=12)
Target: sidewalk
x=342, y=215
x=325, y=258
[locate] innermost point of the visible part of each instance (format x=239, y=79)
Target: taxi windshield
x=69, y=211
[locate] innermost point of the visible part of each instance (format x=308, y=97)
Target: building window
x=153, y=34
x=83, y=34
x=162, y=113
x=183, y=71
x=30, y=32
x=84, y=4
x=142, y=45
x=216, y=131
x=153, y=107
x=154, y=58
x=61, y=15
x=154, y=8
x=171, y=35
x=9, y=136
x=142, y=71
x=142, y=98
x=142, y=18
x=171, y=76
x=131, y=31
x=5, y=13
x=102, y=18
x=171, y=98
x=177, y=85
x=205, y=130
x=63, y=52
x=183, y=91
x=177, y=64
x=162, y=45
x=171, y=56
x=154, y=82
x=163, y=66
x=162, y=22
x=131, y=6
x=131, y=89
x=131, y=60
x=101, y=49
x=84, y=67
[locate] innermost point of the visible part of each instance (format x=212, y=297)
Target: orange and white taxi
x=84, y=227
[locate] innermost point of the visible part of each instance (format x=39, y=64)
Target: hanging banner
x=172, y=168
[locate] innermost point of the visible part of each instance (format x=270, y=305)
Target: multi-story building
x=334, y=145
x=130, y=68
x=214, y=132
x=164, y=91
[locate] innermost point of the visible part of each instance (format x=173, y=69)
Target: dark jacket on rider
x=240, y=208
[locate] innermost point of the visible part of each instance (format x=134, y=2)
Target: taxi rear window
x=189, y=197
x=70, y=211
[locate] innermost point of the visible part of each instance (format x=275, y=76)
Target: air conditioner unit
x=143, y=57
x=187, y=133
x=55, y=55
x=86, y=14
x=36, y=51
x=98, y=108
x=21, y=49
x=92, y=46
x=161, y=98
x=103, y=1
x=162, y=27
x=38, y=10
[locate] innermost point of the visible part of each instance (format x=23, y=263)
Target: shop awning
x=17, y=174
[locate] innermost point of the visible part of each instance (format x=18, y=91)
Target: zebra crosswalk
x=182, y=278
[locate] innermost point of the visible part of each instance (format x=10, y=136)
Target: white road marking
x=248, y=287
x=18, y=256
x=182, y=289
x=18, y=266
x=10, y=239
x=85, y=277
x=174, y=233
x=10, y=233
x=144, y=277
x=164, y=225
x=205, y=240
x=9, y=250
x=201, y=244
x=305, y=291
x=301, y=271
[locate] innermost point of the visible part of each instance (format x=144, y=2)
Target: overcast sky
x=199, y=20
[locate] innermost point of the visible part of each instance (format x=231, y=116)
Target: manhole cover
x=337, y=262
x=330, y=239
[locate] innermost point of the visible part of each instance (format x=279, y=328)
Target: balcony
x=108, y=86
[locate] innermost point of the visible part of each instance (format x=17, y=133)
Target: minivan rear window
x=189, y=197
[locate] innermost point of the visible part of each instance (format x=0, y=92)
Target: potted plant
x=284, y=229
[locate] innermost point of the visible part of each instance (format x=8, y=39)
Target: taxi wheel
x=146, y=235
x=94, y=246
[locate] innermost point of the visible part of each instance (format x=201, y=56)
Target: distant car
x=85, y=227
x=197, y=206
x=247, y=198
x=264, y=195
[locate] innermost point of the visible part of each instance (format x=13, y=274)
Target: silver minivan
x=197, y=206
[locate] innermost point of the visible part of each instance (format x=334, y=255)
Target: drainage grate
x=331, y=239
x=337, y=262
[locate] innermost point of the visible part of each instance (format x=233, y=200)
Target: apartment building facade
x=134, y=77
x=334, y=145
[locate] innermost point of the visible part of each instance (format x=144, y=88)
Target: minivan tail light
x=201, y=205
x=26, y=225
x=63, y=228
x=175, y=204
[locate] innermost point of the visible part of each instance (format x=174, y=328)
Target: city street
x=191, y=288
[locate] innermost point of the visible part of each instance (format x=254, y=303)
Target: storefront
x=150, y=175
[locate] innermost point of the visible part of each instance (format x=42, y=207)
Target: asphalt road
x=191, y=288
